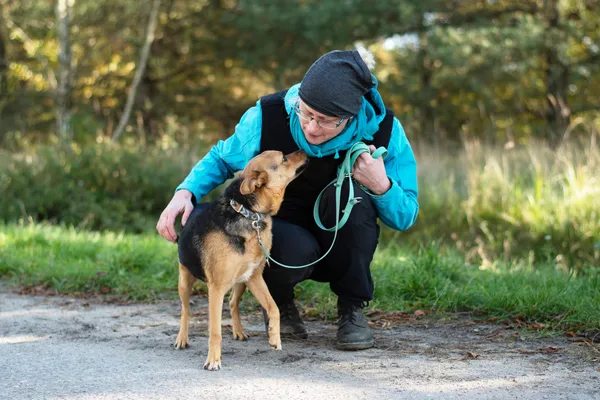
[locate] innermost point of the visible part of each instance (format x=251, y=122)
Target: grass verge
x=431, y=278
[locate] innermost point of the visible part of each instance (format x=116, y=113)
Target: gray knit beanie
x=335, y=84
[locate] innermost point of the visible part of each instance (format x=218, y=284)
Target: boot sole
x=355, y=346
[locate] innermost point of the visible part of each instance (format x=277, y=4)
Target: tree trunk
x=3, y=73
x=64, y=12
x=427, y=95
x=139, y=73
x=558, y=113
x=3, y=59
x=426, y=112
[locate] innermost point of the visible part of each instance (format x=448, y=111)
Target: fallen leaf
x=310, y=312
x=105, y=289
x=547, y=350
x=469, y=356
x=380, y=324
x=551, y=349
x=395, y=316
x=420, y=313
x=495, y=332
x=536, y=326
x=519, y=317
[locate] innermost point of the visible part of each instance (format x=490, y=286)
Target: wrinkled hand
x=181, y=202
x=370, y=172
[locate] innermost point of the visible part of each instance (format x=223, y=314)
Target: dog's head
x=267, y=175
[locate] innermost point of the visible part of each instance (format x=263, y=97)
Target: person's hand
x=370, y=172
x=181, y=202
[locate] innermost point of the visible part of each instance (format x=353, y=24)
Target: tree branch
x=139, y=73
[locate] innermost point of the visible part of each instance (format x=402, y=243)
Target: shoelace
x=347, y=312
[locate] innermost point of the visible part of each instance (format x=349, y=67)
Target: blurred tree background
x=501, y=70
x=177, y=75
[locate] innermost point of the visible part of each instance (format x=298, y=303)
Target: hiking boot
x=353, y=331
x=290, y=323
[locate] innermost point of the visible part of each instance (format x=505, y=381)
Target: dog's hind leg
x=234, y=308
x=259, y=289
x=216, y=296
x=186, y=281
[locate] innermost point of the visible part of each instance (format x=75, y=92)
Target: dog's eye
x=284, y=158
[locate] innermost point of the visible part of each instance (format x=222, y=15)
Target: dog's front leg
x=186, y=282
x=234, y=308
x=259, y=289
x=216, y=295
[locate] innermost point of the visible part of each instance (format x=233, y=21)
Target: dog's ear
x=255, y=180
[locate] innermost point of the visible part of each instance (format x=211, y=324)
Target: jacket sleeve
x=398, y=207
x=226, y=157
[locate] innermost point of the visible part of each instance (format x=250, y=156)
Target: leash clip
x=255, y=225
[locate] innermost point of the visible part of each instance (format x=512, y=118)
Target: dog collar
x=251, y=215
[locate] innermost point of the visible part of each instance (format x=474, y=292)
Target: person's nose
x=311, y=126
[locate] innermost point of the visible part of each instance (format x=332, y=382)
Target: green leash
x=344, y=172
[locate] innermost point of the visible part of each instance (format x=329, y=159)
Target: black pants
x=346, y=267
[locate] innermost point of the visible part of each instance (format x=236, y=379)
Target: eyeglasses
x=323, y=124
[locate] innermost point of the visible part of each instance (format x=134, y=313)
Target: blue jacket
x=397, y=208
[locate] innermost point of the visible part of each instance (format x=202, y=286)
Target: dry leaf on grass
x=468, y=356
x=105, y=289
x=536, y=326
x=547, y=350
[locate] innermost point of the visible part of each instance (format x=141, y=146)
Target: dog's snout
x=301, y=161
x=297, y=157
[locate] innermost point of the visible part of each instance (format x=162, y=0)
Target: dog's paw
x=212, y=365
x=240, y=335
x=275, y=343
x=182, y=342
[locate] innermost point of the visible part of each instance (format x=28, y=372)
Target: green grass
x=432, y=277
x=437, y=278
x=133, y=266
x=510, y=204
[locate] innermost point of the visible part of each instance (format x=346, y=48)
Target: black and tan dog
x=220, y=246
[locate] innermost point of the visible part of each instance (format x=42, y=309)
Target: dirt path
x=57, y=347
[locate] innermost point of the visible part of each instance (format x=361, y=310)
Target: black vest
x=301, y=194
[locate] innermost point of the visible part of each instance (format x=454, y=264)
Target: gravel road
x=65, y=348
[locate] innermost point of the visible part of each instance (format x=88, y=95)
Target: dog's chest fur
x=249, y=272
x=252, y=251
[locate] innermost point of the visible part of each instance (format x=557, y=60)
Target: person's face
x=318, y=128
